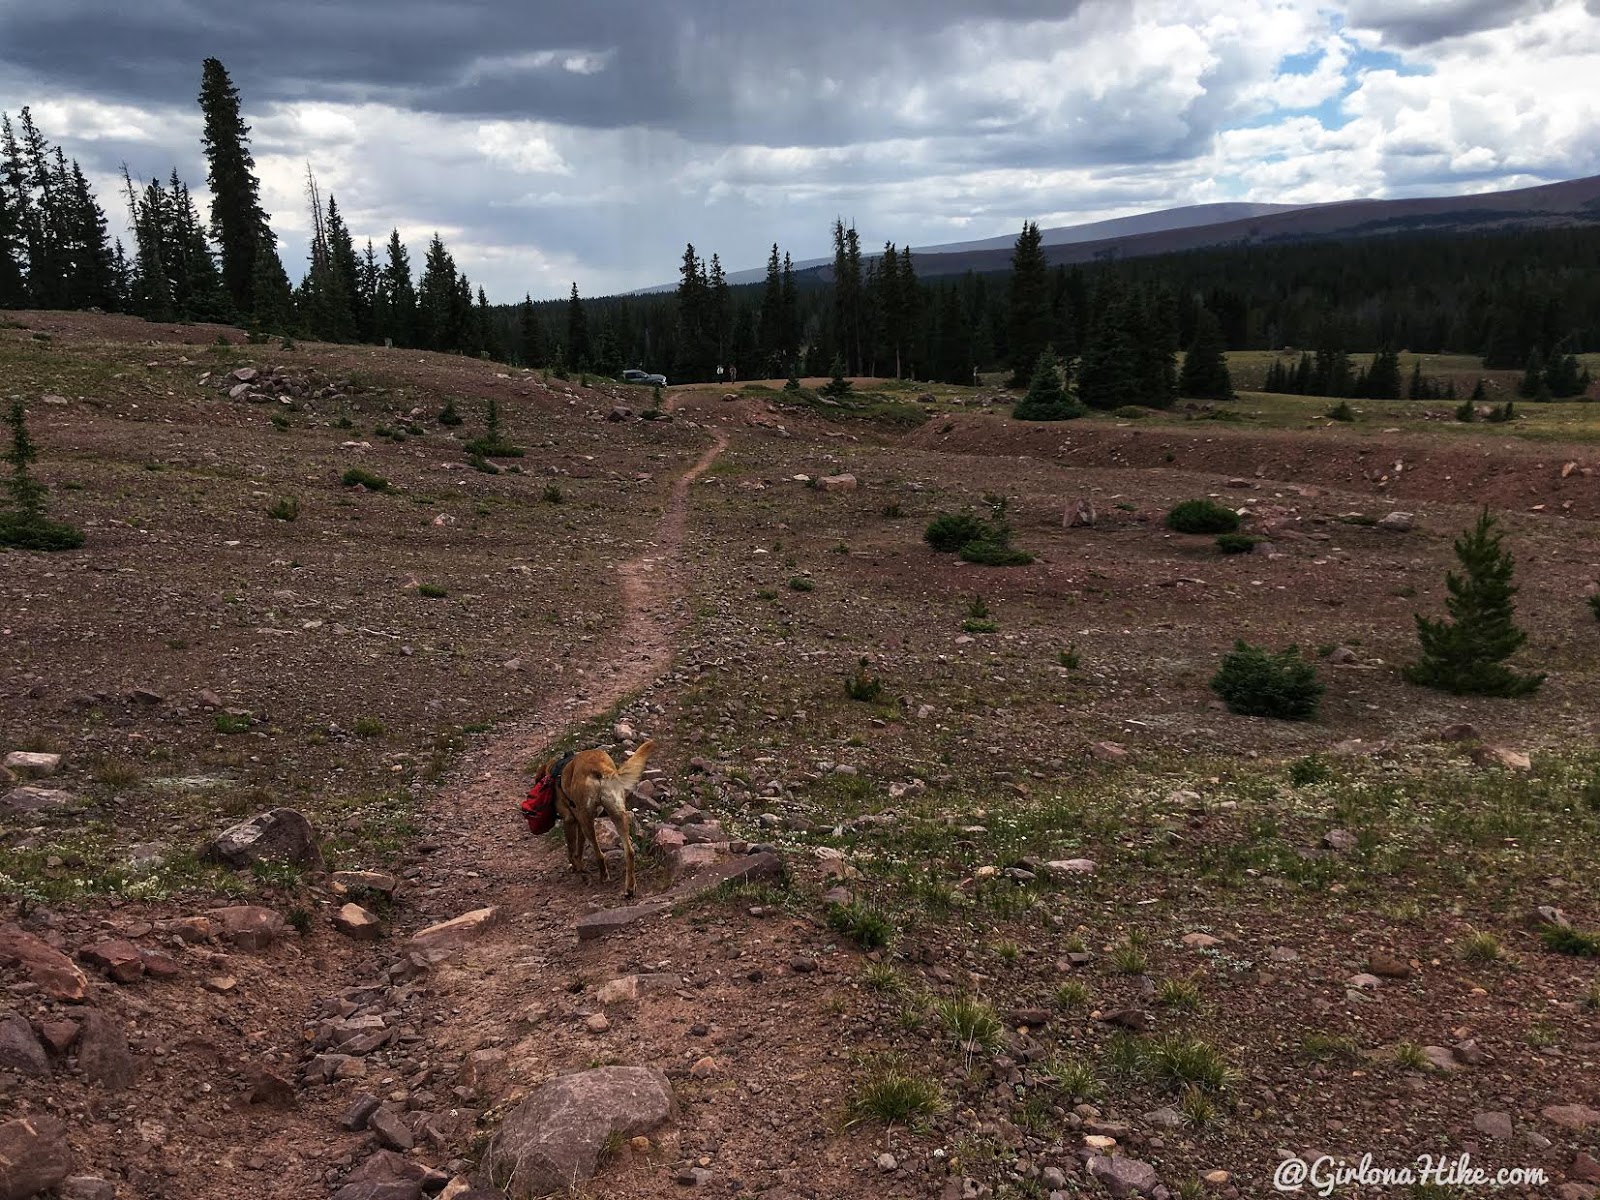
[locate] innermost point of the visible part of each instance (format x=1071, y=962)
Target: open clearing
x=1312, y=938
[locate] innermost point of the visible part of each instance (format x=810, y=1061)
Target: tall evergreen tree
x=1466, y=654
x=789, y=321
x=531, y=334
x=238, y=222
x=1112, y=370
x=271, y=297
x=436, y=298
x=769, y=334
x=1029, y=320
x=579, y=352
x=695, y=354
x=396, y=318
x=720, y=307
x=847, y=296
x=14, y=197
x=1205, y=366
x=1383, y=377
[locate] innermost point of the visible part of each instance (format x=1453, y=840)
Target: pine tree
x=847, y=295
x=531, y=334
x=271, y=297
x=13, y=207
x=1029, y=310
x=789, y=322
x=25, y=526
x=1152, y=326
x=694, y=355
x=396, y=317
x=435, y=297
x=1383, y=377
x=238, y=222
x=769, y=335
x=324, y=297
x=1205, y=366
x=1478, y=393
x=1110, y=373
x=1532, y=377
x=578, y=349
x=1466, y=654
x=1047, y=398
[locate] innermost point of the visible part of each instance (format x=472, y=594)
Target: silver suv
x=634, y=375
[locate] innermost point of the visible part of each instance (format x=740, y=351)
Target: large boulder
x=50, y=970
x=552, y=1141
x=282, y=835
x=1124, y=1176
x=33, y=1156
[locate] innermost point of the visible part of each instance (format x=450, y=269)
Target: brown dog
x=591, y=786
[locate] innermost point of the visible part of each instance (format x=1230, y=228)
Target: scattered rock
x=1123, y=1176
x=347, y=883
x=1577, y=1117
x=1494, y=1124
x=35, y=799
x=1459, y=732
x=20, y=1050
x=1398, y=522
x=1113, y=752
x=103, y=1055
x=46, y=967
x=270, y=1089
x=1388, y=966
x=356, y=922
x=1342, y=655
x=392, y=1132
x=1200, y=941
x=120, y=961
x=1499, y=756
x=281, y=835
x=1135, y=1019
x=87, y=1187
x=456, y=932
x=553, y=1140
x=248, y=926
x=28, y=764
x=837, y=483
x=33, y=1156
x=1067, y=868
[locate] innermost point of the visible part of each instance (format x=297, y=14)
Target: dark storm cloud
x=1412, y=23
x=713, y=70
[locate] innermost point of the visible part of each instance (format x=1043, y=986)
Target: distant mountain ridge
x=1195, y=227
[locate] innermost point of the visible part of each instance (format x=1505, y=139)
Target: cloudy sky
x=589, y=140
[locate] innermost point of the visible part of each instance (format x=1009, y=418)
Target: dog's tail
x=631, y=771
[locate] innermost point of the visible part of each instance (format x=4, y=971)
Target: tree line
x=1113, y=329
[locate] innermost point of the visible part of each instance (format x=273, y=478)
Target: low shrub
x=862, y=685
x=869, y=927
x=357, y=477
x=1202, y=516
x=892, y=1095
x=1236, y=543
x=988, y=553
x=1254, y=682
x=1563, y=939
x=948, y=532
x=285, y=508
x=1341, y=412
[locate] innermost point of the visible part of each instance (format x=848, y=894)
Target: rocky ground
x=1034, y=917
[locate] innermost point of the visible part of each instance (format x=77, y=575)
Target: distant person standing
x=733, y=373
x=719, y=374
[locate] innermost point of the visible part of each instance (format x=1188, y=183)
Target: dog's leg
x=574, y=836
x=627, y=848
x=586, y=823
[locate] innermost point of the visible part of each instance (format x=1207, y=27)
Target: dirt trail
x=483, y=857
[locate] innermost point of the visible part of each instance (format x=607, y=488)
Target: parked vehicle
x=635, y=375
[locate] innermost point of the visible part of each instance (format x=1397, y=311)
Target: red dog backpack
x=539, y=807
